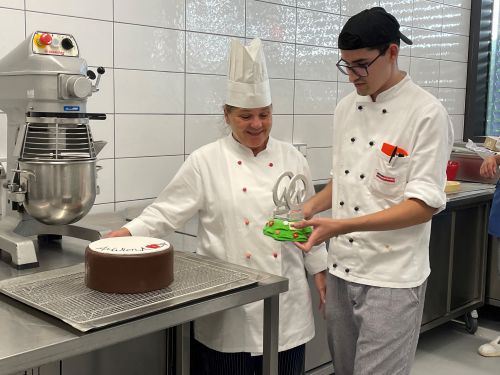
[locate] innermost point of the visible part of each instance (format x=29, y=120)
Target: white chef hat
x=247, y=80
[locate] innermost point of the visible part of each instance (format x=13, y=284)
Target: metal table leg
x=182, y=334
x=271, y=324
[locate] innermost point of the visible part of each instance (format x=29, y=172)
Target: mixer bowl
x=58, y=192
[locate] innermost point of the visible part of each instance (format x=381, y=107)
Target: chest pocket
x=388, y=179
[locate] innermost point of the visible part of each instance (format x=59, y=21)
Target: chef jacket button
x=271, y=164
x=347, y=270
x=346, y=171
x=384, y=111
x=356, y=208
x=371, y=143
x=360, y=107
x=239, y=162
x=244, y=189
x=351, y=240
x=275, y=255
x=341, y=203
x=247, y=221
x=353, y=139
x=361, y=176
x=334, y=265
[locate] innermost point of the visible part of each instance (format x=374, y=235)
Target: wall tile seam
x=436, y=31
x=114, y=110
x=280, y=78
x=134, y=199
x=147, y=156
x=155, y=70
x=151, y=26
x=10, y=8
x=70, y=16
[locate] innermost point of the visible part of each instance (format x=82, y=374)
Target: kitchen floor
x=449, y=349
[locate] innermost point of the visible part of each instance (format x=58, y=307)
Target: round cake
x=281, y=230
x=129, y=264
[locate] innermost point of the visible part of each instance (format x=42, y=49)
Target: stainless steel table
x=30, y=338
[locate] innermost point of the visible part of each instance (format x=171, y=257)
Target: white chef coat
x=365, y=182
x=231, y=190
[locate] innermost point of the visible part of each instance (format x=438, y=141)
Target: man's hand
x=320, y=283
x=323, y=229
x=122, y=232
x=489, y=167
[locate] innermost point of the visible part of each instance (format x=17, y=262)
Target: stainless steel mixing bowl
x=58, y=192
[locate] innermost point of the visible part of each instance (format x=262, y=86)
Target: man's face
x=378, y=67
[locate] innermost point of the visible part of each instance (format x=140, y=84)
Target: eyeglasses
x=360, y=70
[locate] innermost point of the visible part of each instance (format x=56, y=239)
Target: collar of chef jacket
x=236, y=146
x=388, y=94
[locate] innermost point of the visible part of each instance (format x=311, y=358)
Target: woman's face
x=250, y=126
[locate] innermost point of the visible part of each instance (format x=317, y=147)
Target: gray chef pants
x=372, y=330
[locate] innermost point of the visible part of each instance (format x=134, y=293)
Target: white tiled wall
x=166, y=63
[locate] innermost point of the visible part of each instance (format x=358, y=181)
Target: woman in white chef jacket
x=229, y=185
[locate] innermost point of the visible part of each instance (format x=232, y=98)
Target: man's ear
x=393, y=51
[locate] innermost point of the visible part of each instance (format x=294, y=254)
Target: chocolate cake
x=129, y=264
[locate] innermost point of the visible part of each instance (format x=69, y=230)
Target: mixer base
x=15, y=237
x=20, y=248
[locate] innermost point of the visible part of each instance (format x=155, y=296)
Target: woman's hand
x=320, y=283
x=489, y=167
x=122, y=232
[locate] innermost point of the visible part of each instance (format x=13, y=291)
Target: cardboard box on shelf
x=491, y=143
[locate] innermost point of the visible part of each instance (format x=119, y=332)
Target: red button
x=247, y=221
x=46, y=39
x=271, y=164
x=244, y=190
x=239, y=162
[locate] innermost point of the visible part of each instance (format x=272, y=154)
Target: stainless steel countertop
x=30, y=338
x=471, y=189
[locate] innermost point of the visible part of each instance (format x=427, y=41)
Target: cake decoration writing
x=122, y=249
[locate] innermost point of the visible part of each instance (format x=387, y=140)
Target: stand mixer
x=50, y=179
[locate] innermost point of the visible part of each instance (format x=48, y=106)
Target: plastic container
x=452, y=169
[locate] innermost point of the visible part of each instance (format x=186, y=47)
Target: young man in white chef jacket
x=392, y=140
x=228, y=184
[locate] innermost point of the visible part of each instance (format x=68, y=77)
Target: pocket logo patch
x=384, y=178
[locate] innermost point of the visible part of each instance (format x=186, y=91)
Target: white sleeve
x=175, y=205
x=430, y=154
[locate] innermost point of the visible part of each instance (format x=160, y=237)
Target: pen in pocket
x=393, y=153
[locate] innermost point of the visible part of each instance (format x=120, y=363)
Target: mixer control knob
x=91, y=74
x=79, y=86
x=67, y=43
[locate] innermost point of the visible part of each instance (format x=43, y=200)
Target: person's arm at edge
x=489, y=167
